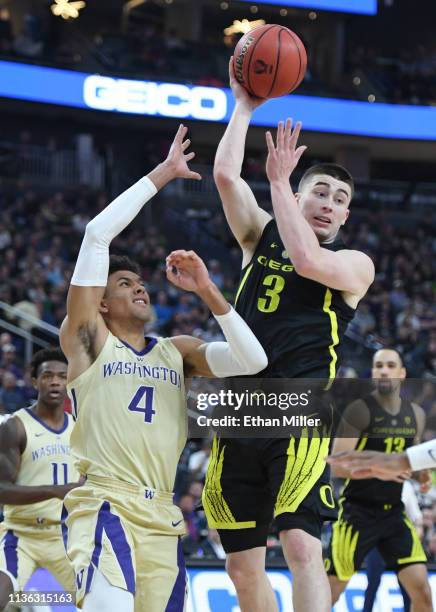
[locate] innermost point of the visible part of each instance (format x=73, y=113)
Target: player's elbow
x=223, y=176
x=257, y=363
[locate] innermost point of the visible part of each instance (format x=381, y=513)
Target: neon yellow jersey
x=131, y=414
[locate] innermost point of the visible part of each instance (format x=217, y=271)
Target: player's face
x=126, y=298
x=51, y=383
x=387, y=371
x=324, y=202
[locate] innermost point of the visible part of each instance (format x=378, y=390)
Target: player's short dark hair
x=122, y=262
x=48, y=354
x=334, y=170
x=394, y=350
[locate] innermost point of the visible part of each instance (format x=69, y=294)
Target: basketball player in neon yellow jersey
x=122, y=528
x=35, y=469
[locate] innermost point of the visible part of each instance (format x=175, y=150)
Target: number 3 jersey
x=46, y=460
x=299, y=322
x=131, y=414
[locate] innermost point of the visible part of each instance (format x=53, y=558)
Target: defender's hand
x=240, y=94
x=177, y=160
x=283, y=158
x=185, y=269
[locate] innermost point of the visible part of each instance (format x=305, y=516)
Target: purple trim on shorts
x=111, y=524
x=10, y=548
x=176, y=601
x=64, y=528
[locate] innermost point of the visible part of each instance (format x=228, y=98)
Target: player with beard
x=371, y=511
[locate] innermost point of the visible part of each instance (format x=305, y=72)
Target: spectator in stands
x=199, y=461
x=8, y=361
x=11, y=397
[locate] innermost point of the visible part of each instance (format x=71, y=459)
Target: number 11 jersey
x=131, y=414
x=46, y=460
x=299, y=322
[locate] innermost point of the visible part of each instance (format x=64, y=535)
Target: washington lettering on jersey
x=49, y=450
x=123, y=368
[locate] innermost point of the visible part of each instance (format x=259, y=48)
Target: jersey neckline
x=152, y=342
x=56, y=431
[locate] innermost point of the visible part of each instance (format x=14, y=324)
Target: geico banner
x=210, y=590
x=149, y=98
x=194, y=102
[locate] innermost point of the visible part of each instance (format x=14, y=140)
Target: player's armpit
x=345, y=270
x=244, y=216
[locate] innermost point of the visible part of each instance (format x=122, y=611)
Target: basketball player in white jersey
x=35, y=469
x=122, y=528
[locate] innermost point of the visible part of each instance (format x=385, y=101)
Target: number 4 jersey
x=131, y=414
x=299, y=322
x=46, y=460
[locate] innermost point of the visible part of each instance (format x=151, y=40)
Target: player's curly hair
x=122, y=262
x=48, y=354
x=334, y=170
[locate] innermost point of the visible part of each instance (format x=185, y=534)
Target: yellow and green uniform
x=300, y=324
x=371, y=513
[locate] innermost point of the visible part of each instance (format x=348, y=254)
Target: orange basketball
x=270, y=61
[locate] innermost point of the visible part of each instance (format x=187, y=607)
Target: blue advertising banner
x=367, y=7
x=210, y=590
x=191, y=102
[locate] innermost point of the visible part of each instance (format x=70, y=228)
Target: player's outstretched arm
x=84, y=332
x=371, y=464
x=241, y=354
x=12, y=444
x=245, y=218
x=345, y=270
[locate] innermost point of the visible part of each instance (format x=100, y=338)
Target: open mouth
x=325, y=220
x=54, y=393
x=141, y=302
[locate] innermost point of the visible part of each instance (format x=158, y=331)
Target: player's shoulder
x=358, y=413
x=185, y=344
x=12, y=431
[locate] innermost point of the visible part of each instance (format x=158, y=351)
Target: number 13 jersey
x=299, y=322
x=131, y=414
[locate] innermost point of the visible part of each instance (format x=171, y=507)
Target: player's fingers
x=299, y=152
x=288, y=132
x=296, y=134
x=185, y=144
x=194, y=176
x=189, y=156
x=179, y=133
x=280, y=135
x=269, y=142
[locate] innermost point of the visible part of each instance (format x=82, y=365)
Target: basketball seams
x=277, y=61
x=299, y=76
x=253, y=50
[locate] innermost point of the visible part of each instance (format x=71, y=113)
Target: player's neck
x=52, y=416
x=133, y=335
x=390, y=403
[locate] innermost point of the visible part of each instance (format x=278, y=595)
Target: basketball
x=270, y=61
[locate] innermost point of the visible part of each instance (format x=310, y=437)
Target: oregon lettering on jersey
x=303, y=337
x=400, y=431
x=46, y=460
x=131, y=414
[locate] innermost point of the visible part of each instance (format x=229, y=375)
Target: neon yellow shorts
x=23, y=551
x=132, y=536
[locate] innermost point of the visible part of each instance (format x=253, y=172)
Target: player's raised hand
x=283, y=156
x=178, y=159
x=185, y=269
x=240, y=94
